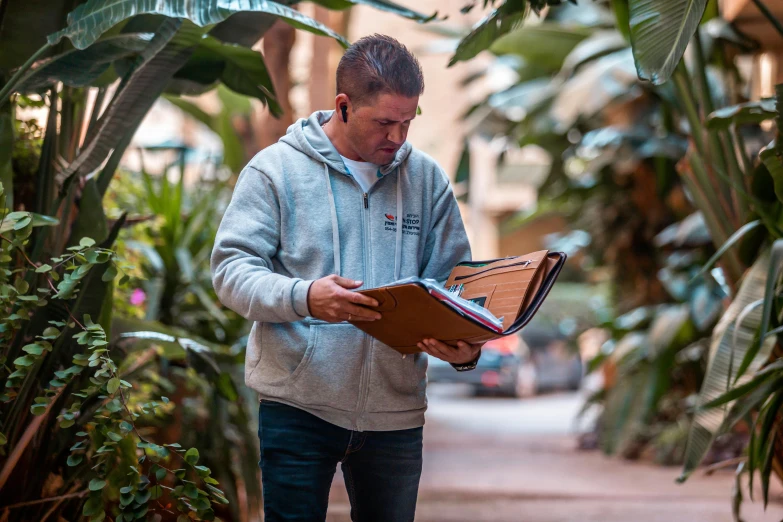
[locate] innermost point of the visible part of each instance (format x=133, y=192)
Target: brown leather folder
x=512, y=288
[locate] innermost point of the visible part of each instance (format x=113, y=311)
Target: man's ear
x=343, y=106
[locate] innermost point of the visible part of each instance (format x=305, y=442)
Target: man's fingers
x=345, y=282
x=358, y=312
x=439, y=350
x=360, y=299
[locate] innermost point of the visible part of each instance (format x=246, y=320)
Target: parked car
x=505, y=368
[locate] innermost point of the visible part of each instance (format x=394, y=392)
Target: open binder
x=511, y=289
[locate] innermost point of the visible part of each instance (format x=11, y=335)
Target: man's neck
x=338, y=139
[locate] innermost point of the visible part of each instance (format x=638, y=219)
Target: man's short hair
x=375, y=65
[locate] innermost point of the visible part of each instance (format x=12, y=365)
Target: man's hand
x=463, y=353
x=329, y=300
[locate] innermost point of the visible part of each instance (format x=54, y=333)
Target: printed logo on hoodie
x=411, y=225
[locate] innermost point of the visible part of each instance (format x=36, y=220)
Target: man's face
x=377, y=130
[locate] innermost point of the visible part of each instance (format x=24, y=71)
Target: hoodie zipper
x=367, y=348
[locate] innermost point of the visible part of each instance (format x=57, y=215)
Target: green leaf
x=90, y=20
x=731, y=241
x=43, y=268
x=11, y=220
x=774, y=163
x=38, y=409
x=33, y=349
x=191, y=491
x=749, y=402
x=160, y=473
x=591, y=48
x=142, y=497
x=215, y=490
x=93, y=506
x=24, y=361
x=50, y=333
x=191, y=456
x=23, y=222
x=113, y=385
x=562, y=49
x=241, y=69
x=226, y=387
x=75, y=459
x=660, y=32
x=156, y=492
x=743, y=113
x=200, y=503
x=745, y=389
x=126, y=499
x=723, y=367
x=86, y=242
x=80, y=68
x=498, y=22
x=114, y=436
x=3, y=440
x=110, y=273
x=21, y=286
x=97, y=484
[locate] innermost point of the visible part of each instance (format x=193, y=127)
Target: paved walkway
x=509, y=460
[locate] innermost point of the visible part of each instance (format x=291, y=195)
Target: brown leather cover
x=512, y=288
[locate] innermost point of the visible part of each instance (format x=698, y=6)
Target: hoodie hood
x=306, y=135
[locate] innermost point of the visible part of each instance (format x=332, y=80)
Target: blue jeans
x=299, y=456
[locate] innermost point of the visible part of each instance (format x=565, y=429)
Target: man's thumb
x=347, y=283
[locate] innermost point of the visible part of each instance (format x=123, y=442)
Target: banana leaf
x=241, y=69
x=244, y=29
x=89, y=21
x=79, y=68
x=731, y=341
x=169, y=50
x=594, y=46
x=772, y=160
x=743, y=113
x=723, y=30
x=593, y=87
x=500, y=21
x=660, y=32
x=526, y=42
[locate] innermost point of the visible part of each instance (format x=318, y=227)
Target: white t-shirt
x=365, y=173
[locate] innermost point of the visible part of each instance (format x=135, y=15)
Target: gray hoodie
x=297, y=215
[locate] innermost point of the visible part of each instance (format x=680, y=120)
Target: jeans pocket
x=330, y=371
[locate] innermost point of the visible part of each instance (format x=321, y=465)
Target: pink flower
x=137, y=297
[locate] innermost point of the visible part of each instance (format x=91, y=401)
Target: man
x=341, y=202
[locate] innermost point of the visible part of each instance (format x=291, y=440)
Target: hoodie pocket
x=396, y=383
x=330, y=371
